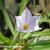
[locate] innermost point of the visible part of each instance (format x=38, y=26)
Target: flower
x=26, y=22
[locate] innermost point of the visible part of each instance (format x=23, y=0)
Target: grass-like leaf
x=9, y=22
x=44, y=19
x=41, y=45
x=42, y=33
x=37, y=33
x=22, y=6
x=2, y=4
x=4, y=39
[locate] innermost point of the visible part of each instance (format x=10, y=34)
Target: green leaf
x=27, y=35
x=41, y=33
x=2, y=4
x=23, y=5
x=41, y=44
x=37, y=33
x=44, y=19
x=4, y=39
x=41, y=48
x=9, y=22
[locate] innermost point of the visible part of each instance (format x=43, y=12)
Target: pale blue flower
x=26, y=22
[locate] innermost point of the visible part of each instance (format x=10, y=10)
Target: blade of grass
x=37, y=33
x=40, y=44
x=43, y=43
x=22, y=6
x=4, y=39
x=41, y=33
x=8, y=22
x=26, y=36
x=2, y=4
x=41, y=48
x=44, y=19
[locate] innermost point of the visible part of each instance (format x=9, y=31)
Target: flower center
x=26, y=26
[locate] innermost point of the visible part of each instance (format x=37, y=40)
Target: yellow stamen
x=26, y=26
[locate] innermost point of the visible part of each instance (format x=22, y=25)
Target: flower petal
x=26, y=14
x=37, y=28
x=21, y=19
x=36, y=18
x=18, y=22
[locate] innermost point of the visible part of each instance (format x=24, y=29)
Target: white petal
x=36, y=18
x=18, y=20
x=26, y=12
x=21, y=19
x=18, y=23
x=27, y=15
x=37, y=28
